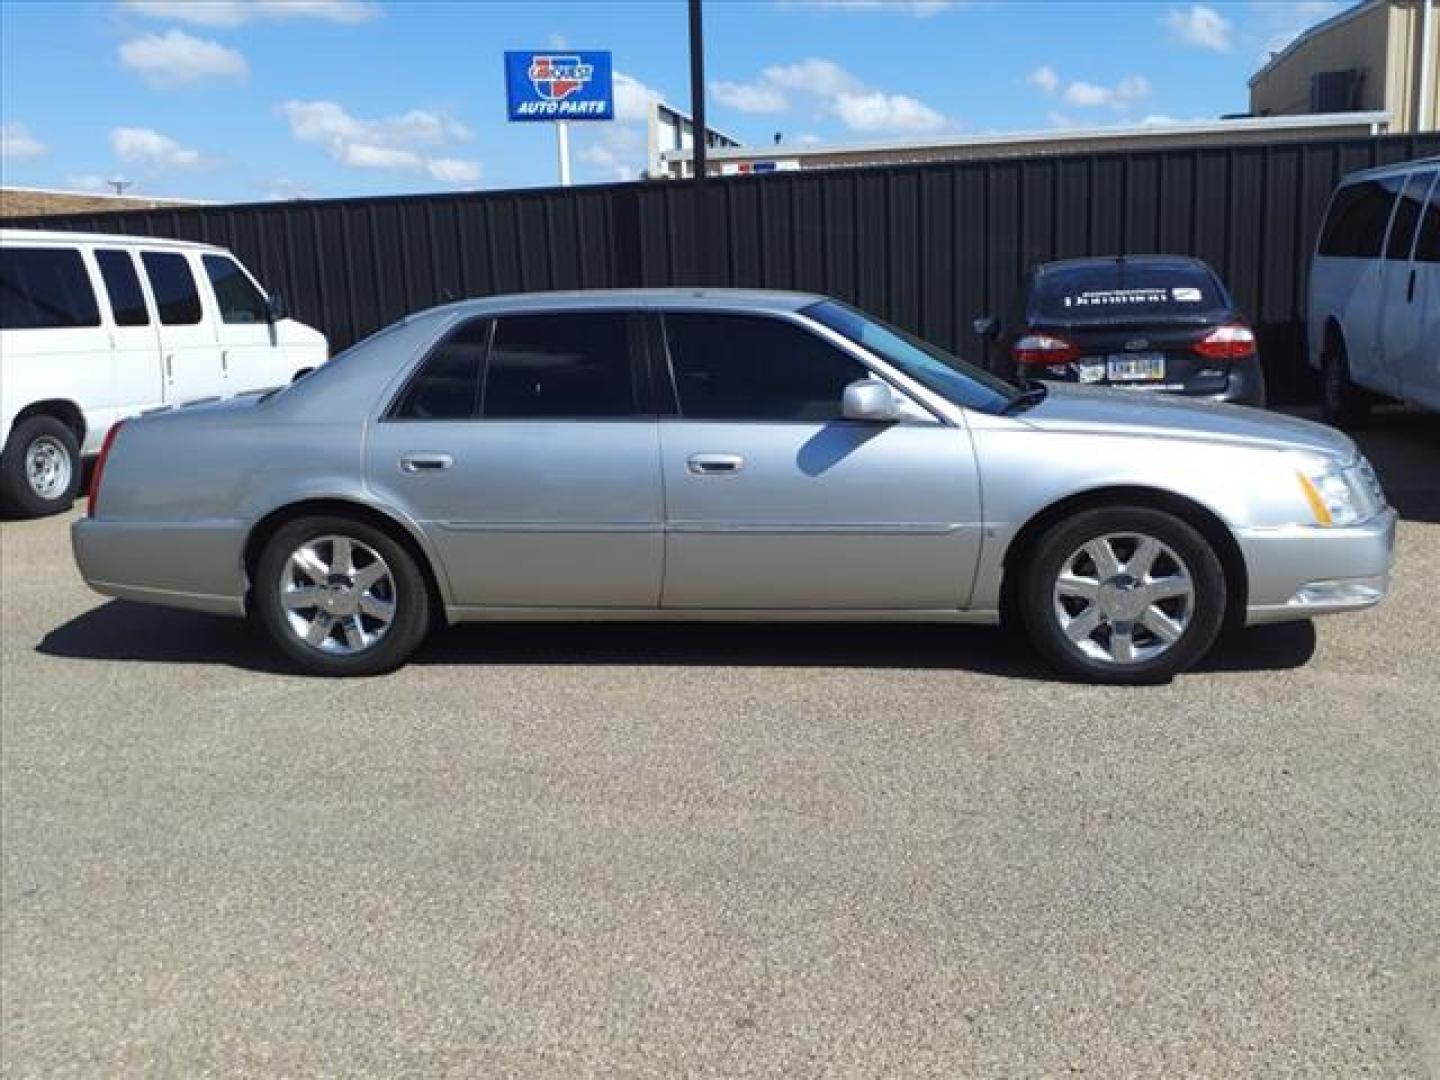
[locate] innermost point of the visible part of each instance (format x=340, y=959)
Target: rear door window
x=1355, y=226
x=174, y=287
x=127, y=301
x=447, y=386
x=1119, y=291
x=239, y=300
x=566, y=365
x=45, y=289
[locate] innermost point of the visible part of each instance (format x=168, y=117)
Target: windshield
x=1118, y=290
x=929, y=365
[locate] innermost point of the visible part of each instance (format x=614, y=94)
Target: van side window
x=1427, y=247
x=174, y=287
x=45, y=289
x=1407, y=214
x=240, y=301
x=1356, y=225
x=127, y=302
x=447, y=386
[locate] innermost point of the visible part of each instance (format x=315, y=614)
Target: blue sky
x=240, y=100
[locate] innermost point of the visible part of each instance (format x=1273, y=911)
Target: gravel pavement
x=719, y=851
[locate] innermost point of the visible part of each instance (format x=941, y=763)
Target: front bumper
x=1298, y=572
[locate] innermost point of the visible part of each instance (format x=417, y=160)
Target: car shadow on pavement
x=123, y=631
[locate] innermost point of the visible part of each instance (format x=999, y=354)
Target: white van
x=94, y=328
x=1375, y=291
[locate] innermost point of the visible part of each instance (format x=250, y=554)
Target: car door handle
x=714, y=464
x=1410, y=289
x=169, y=365
x=426, y=462
x=225, y=361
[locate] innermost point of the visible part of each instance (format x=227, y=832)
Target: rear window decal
x=1104, y=297
x=1186, y=295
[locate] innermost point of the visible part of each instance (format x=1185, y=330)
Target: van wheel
x=40, y=468
x=1342, y=403
x=1123, y=595
x=340, y=597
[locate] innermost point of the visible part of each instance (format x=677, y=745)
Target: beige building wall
x=32, y=202
x=1380, y=38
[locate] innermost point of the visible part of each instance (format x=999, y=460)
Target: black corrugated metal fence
x=928, y=247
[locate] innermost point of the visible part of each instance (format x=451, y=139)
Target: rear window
x=45, y=289
x=1120, y=291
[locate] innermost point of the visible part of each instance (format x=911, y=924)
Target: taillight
x=1227, y=343
x=99, y=469
x=1043, y=349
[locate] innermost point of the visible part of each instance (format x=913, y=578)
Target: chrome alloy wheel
x=1124, y=598
x=48, y=467
x=337, y=594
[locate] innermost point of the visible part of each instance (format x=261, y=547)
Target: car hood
x=1153, y=415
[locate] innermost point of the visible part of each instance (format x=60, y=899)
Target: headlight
x=1340, y=495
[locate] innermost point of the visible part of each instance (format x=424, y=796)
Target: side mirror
x=276, y=307
x=872, y=400
x=987, y=326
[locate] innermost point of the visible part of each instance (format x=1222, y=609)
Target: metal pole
x=562, y=147
x=697, y=88
x=1423, y=111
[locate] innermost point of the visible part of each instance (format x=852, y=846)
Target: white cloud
x=230, y=13
x=392, y=142
x=633, y=98
x=879, y=111
x=176, y=59
x=1061, y=120
x=1044, y=78
x=1199, y=26
x=920, y=9
x=88, y=182
x=824, y=78
x=454, y=171
x=1127, y=91
x=834, y=92
x=17, y=144
x=750, y=97
x=285, y=189
x=148, y=148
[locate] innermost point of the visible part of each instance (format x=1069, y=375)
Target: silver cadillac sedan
x=715, y=454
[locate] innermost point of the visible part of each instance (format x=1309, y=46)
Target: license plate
x=1135, y=367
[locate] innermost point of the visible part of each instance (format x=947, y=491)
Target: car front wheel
x=1123, y=595
x=340, y=597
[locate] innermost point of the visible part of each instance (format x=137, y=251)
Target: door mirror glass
x=987, y=326
x=872, y=400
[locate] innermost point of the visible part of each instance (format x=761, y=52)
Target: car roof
x=1390, y=170
x=1127, y=260
x=61, y=236
x=695, y=298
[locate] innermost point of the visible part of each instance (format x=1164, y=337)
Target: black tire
x=55, y=439
x=1342, y=403
x=1204, y=608
x=407, y=593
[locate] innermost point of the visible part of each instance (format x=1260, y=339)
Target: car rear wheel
x=40, y=467
x=1342, y=402
x=1123, y=595
x=341, y=597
